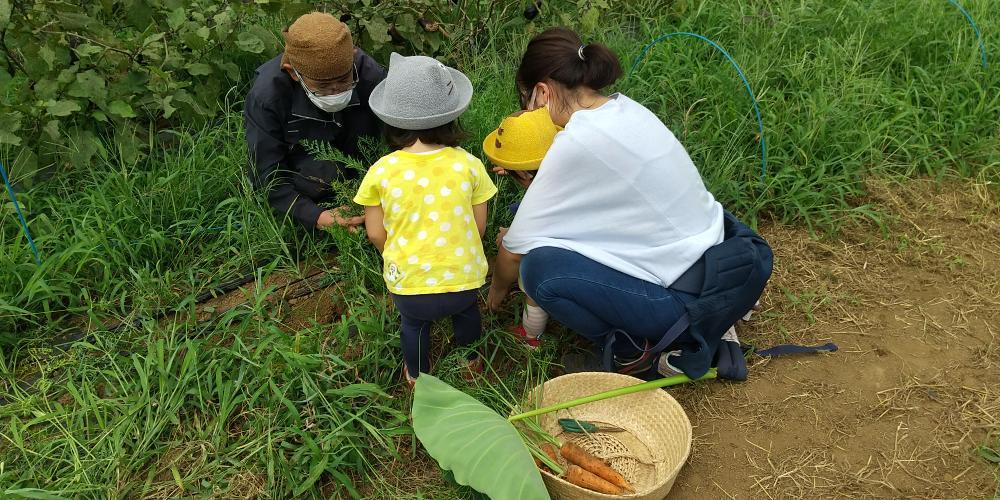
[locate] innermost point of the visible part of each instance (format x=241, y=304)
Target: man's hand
x=522, y=178
x=496, y=297
x=335, y=216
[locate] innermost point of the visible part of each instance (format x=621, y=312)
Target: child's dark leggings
x=418, y=312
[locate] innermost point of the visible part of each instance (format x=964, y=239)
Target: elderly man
x=317, y=90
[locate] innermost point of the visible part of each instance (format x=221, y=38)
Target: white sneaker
x=663, y=366
x=730, y=335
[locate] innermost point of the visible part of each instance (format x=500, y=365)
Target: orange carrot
x=586, y=479
x=576, y=455
x=551, y=452
x=542, y=467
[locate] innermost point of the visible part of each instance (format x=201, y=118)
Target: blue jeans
x=593, y=300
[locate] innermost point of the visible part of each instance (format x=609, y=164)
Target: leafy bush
x=125, y=69
x=108, y=68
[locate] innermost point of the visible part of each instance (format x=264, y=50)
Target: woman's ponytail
x=558, y=54
x=602, y=67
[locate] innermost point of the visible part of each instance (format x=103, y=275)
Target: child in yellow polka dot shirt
x=426, y=207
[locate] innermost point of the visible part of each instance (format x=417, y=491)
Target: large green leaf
x=481, y=448
x=4, y=12
x=199, y=69
x=197, y=39
x=89, y=85
x=176, y=17
x=62, y=108
x=250, y=42
x=73, y=21
x=12, y=121
x=48, y=55
x=9, y=138
x=293, y=10
x=377, y=29
x=122, y=109
x=52, y=128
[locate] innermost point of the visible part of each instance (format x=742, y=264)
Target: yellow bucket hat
x=521, y=140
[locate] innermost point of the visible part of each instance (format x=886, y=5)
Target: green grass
x=246, y=405
x=138, y=237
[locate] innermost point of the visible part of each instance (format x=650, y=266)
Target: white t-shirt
x=617, y=187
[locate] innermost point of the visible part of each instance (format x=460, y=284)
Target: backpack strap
x=673, y=332
x=783, y=349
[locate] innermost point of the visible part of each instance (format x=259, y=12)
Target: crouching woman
x=618, y=238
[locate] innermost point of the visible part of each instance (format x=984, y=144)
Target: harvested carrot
x=577, y=455
x=553, y=455
x=586, y=479
x=551, y=452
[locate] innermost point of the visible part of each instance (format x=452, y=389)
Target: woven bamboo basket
x=650, y=452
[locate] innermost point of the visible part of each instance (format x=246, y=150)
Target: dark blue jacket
x=736, y=272
x=278, y=116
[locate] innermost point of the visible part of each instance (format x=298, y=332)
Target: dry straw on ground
x=900, y=410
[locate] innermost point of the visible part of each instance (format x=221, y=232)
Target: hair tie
x=579, y=52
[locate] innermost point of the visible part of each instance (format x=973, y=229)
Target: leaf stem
x=13, y=65
x=645, y=386
x=91, y=40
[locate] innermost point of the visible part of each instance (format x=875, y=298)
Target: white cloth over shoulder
x=617, y=187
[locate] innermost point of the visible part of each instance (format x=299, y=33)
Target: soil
x=298, y=299
x=901, y=408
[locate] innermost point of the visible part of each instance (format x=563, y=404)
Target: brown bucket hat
x=320, y=48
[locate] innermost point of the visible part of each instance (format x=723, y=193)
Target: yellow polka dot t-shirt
x=433, y=244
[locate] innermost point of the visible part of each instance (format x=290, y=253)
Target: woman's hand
x=496, y=297
x=504, y=276
x=500, y=234
x=522, y=178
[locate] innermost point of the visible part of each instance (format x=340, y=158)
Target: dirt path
x=900, y=410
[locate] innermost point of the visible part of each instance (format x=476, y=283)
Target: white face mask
x=531, y=100
x=532, y=107
x=329, y=103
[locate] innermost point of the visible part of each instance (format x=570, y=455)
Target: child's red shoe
x=521, y=333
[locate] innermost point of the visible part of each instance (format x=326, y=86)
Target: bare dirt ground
x=900, y=409
x=299, y=299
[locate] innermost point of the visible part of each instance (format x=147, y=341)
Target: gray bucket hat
x=420, y=93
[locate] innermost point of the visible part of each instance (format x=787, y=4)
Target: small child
x=516, y=146
x=425, y=207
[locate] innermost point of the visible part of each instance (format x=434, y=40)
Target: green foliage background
x=131, y=176
x=124, y=70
